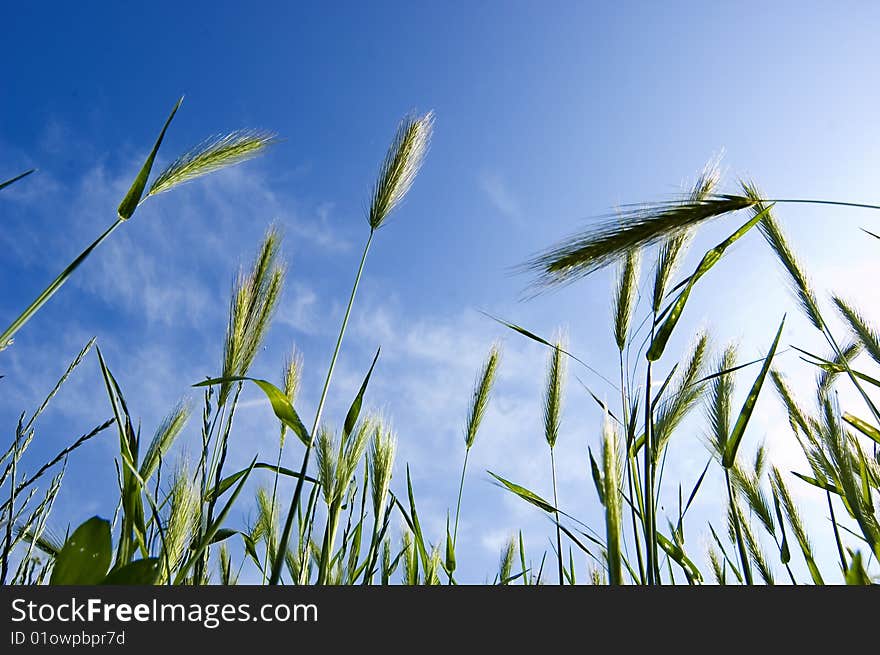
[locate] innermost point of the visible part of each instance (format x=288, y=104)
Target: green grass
x=174, y=522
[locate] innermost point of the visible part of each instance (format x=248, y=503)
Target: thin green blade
x=15, y=179
x=658, y=345
x=133, y=197
x=281, y=405
x=739, y=429
x=354, y=411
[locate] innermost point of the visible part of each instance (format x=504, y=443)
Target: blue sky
x=546, y=115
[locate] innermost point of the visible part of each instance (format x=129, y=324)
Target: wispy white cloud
x=501, y=196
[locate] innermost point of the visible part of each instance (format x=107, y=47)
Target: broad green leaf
x=525, y=494
x=250, y=547
x=678, y=556
x=450, y=550
x=821, y=484
x=223, y=534
x=863, y=426
x=133, y=520
x=600, y=402
x=732, y=369
x=659, y=395
x=696, y=488
x=597, y=477
x=784, y=552
x=834, y=367
x=15, y=179
x=856, y=573
x=355, y=409
x=866, y=483
x=534, y=337
x=661, y=337
x=511, y=578
x=417, y=528
x=139, y=572
x=280, y=404
x=133, y=197
x=739, y=429
x=230, y=480
x=49, y=291
x=86, y=555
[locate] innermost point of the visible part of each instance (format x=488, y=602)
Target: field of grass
x=174, y=522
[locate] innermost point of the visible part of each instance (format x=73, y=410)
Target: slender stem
x=558, y=529
x=467, y=452
x=839, y=353
x=7, y=543
x=843, y=566
x=743, y=556
x=327, y=550
x=807, y=201
x=458, y=504
x=649, y=522
x=272, y=506
x=374, y=537
x=53, y=287
x=629, y=463
x=297, y=493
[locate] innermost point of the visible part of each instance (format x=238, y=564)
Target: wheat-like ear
x=611, y=467
x=254, y=299
x=291, y=376
x=183, y=519
x=625, y=296
x=328, y=463
x=482, y=391
x=797, y=417
x=720, y=400
x=381, y=465
x=635, y=227
x=227, y=576
x=755, y=550
x=211, y=155
x=673, y=248
x=683, y=397
x=351, y=456
x=775, y=237
x=410, y=560
x=553, y=393
x=859, y=327
x=403, y=160
x=717, y=568
x=267, y=519
x=164, y=437
x=505, y=563
x=826, y=376
x=794, y=520
x=749, y=487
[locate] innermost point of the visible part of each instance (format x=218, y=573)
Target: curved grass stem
x=558, y=529
x=48, y=292
x=297, y=494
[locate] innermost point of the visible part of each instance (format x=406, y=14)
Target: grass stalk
x=54, y=286
x=297, y=493
x=460, y=490
x=740, y=543
x=558, y=528
x=650, y=522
